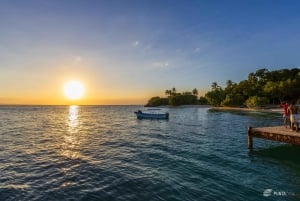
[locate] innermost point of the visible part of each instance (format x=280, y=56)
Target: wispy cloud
x=136, y=43
x=197, y=49
x=78, y=58
x=160, y=64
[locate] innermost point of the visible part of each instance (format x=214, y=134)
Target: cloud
x=197, y=49
x=136, y=43
x=160, y=64
x=78, y=58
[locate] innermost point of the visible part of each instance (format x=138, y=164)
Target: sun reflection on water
x=73, y=119
x=71, y=143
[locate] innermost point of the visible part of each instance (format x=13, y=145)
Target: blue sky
x=127, y=51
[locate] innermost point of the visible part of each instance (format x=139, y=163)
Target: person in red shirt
x=286, y=118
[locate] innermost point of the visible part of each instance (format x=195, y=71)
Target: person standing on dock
x=293, y=111
x=285, y=106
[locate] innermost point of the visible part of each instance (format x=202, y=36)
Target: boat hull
x=142, y=115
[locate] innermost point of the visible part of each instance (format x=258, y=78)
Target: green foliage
x=195, y=92
x=175, y=99
x=202, y=101
x=256, y=101
x=215, y=97
x=233, y=100
x=261, y=87
x=186, y=99
x=157, y=101
x=275, y=86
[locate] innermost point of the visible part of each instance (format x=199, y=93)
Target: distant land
x=262, y=87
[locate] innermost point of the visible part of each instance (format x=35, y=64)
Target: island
x=263, y=87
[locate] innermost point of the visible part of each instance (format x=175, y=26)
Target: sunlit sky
x=125, y=52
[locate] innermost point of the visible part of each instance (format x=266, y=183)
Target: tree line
x=175, y=99
x=260, y=88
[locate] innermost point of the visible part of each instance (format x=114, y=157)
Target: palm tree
x=214, y=86
x=168, y=92
x=229, y=86
x=195, y=92
x=229, y=83
x=173, y=91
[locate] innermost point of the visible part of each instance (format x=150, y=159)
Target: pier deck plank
x=275, y=133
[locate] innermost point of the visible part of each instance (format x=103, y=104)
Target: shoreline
x=276, y=110
x=271, y=109
x=187, y=106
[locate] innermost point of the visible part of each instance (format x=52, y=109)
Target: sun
x=74, y=90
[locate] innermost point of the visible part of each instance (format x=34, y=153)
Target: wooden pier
x=275, y=133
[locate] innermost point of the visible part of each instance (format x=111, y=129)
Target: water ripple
x=105, y=153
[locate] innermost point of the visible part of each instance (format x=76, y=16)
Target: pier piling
x=250, y=139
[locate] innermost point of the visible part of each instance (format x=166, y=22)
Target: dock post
x=250, y=140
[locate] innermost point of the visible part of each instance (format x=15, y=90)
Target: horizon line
x=71, y=105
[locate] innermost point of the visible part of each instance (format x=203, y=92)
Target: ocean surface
x=105, y=153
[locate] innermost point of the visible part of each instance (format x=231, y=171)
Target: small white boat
x=152, y=114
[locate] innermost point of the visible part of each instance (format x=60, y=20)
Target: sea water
x=105, y=153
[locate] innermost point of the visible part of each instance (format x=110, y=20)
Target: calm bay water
x=105, y=153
